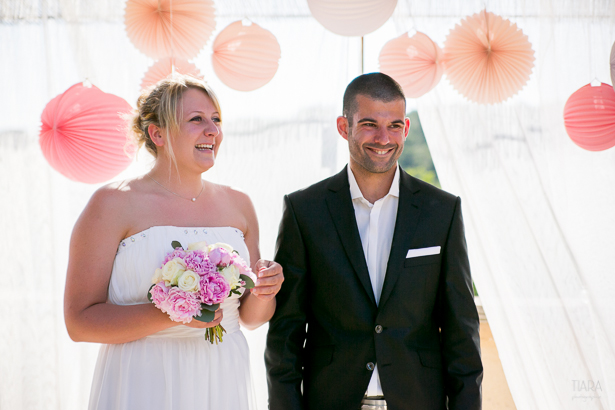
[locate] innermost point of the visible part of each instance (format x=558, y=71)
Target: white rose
x=231, y=274
x=157, y=276
x=172, y=270
x=226, y=246
x=198, y=246
x=189, y=281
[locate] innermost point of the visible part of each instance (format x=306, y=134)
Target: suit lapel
x=340, y=206
x=408, y=212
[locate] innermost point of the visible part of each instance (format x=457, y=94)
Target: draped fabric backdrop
x=538, y=209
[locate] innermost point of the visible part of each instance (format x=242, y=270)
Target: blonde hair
x=160, y=105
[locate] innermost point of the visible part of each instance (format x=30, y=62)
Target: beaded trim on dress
x=186, y=231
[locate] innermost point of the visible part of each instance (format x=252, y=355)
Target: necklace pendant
x=193, y=199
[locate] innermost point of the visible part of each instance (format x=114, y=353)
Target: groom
x=376, y=310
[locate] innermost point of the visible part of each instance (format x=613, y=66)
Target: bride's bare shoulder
x=240, y=203
x=234, y=195
x=118, y=192
x=116, y=202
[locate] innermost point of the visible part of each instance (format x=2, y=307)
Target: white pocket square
x=414, y=253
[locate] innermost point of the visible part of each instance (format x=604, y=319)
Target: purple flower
x=177, y=253
x=214, y=289
x=198, y=262
x=182, y=306
x=208, y=268
x=194, y=258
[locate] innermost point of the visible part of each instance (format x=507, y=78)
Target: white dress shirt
x=376, y=223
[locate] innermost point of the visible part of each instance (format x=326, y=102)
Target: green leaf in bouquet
x=176, y=244
x=249, y=282
x=149, y=295
x=206, y=316
x=235, y=251
x=211, y=308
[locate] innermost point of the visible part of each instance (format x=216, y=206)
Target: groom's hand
x=269, y=279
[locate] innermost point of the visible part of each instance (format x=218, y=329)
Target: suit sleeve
x=459, y=322
x=287, y=328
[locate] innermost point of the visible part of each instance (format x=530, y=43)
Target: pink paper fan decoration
x=414, y=62
x=487, y=58
x=148, y=25
x=589, y=117
x=245, y=57
x=352, y=18
x=613, y=65
x=83, y=136
x=164, y=68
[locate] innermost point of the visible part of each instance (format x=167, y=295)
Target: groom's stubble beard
x=359, y=155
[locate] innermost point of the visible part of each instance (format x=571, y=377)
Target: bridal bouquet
x=191, y=283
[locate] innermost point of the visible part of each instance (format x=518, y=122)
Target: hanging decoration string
x=362, y=57
x=172, y=44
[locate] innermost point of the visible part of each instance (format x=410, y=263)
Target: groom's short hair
x=377, y=86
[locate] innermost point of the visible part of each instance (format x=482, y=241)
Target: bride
x=146, y=360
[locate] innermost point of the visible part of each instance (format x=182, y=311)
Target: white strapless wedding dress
x=175, y=368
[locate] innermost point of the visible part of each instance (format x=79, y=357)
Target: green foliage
x=149, y=295
x=211, y=308
x=249, y=282
x=206, y=316
x=416, y=158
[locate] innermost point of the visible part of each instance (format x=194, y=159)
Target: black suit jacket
x=327, y=327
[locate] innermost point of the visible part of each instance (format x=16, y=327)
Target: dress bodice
x=139, y=255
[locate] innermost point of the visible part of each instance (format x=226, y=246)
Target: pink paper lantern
x=487, y=58
x=414, y=62
x=83, y=136
x=245, y=57
x=164, y=68
x=589, y=117
x=159, y=31
x=352, y=18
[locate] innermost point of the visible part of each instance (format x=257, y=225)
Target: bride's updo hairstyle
x=160, y=105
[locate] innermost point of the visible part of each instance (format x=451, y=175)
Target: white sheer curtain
x=538, y=209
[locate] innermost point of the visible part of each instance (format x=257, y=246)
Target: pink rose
x=182, y=306
x=159, y=294
x=242, y=266
x=214, y=289
x=215, y=256
x=244, y=269
x=220, y=256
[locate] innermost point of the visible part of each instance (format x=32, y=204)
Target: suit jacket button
x=370, y=366
x=378, y=329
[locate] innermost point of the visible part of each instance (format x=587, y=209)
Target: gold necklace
x=183, y=197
